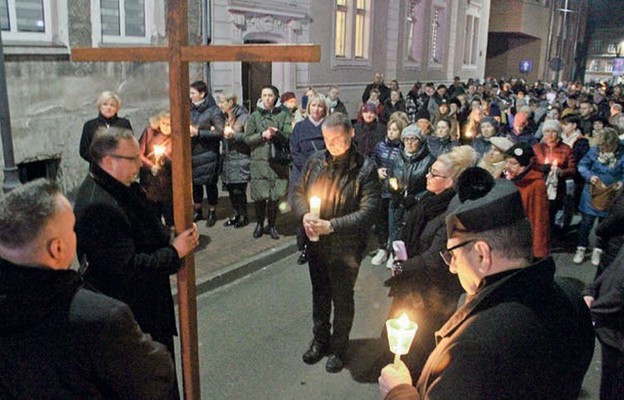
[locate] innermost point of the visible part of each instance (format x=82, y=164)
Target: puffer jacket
x=411, y=172
x=236, y=153
x=205, y=146
x=384, y=154
x=589, y=166
x=367, y=136
x=438, y=146
x=349, y=192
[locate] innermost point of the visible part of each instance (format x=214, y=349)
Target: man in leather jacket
x=347, y=184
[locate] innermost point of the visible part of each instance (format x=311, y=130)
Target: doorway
x=255, y=76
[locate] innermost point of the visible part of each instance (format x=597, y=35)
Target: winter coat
x=590, y=166
x=269, y=180
x=306, y=139
x=523, y=335
x=611, y=232
x=438, y=146
x=61, y=341
x=236, y=153
x=525, y=136
x=349, y=192
x=561, y=154
x=91, y=127
x=127, y=249
x=384, y=155
x=158, y=188
x=336, y=106
x=390, y=109
x=205, y=146
x=367, y=136
x=410, y=172
x=533, y=193
x=384, y=92
x=481, y=145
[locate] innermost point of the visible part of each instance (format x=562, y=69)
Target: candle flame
x=394, y=183
x=555, y=163
x=159, y=150
x=404, y=321
x=315, y=202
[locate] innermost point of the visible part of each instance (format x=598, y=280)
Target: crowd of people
x=465, y=187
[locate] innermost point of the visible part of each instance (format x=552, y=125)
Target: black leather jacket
x=349, y=192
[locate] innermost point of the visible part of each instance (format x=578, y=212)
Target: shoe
x=211, y=219
x=334, y=364
x=303, y=257
x=241, y=221
x=198, y=216
x=390, y=262
x=380, y=257
x=273, y=232
x=579, y=256
x=231, y=221
x=258, y=231
x=595, y=257
x=315, y=353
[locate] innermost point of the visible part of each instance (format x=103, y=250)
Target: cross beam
x=178, y=55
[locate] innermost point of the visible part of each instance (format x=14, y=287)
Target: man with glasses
x=520, y=334
x=126, y=250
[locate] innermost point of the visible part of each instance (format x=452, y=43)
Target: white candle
x=393, y=183
x=159, y=150
x=401, y=332
x=315, y=210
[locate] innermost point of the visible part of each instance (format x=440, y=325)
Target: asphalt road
x=252, y=334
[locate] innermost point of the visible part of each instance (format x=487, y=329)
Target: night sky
x=606, y=13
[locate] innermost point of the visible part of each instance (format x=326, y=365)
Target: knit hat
x=501, y=143
x=551, y=124
x=413, y=131
x=455, y=101
x=522, y=152
x=287, y=96
x=423, y=114
x=495, y=110
x=490, y=120
x=473, y=183
x=369, y=107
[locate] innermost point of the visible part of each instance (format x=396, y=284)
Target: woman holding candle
x=108, y=105
x=422, y=286
x=267, y=128
x=155, y=173
x=235, y=170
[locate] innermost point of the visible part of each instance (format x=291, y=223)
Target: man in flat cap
x=521, y=333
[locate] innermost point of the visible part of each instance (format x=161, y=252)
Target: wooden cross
x=178, y=54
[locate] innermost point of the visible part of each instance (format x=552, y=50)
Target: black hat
x=455, y=101
x=499, y=207
x=521, y=151
x=423, y=114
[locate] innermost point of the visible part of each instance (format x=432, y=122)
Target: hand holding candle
x=315, y=210
x=401, y=332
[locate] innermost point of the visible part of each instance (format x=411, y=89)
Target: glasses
x=447, y=254
x=129, y=158
x=434, y=174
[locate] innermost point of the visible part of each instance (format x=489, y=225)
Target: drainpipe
x=11, y=173
x=206, y=24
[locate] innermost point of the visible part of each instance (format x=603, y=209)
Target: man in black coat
x=58, y=340
x=521, y=333
x=127, y=249
x=378, y=83
x=347, y=184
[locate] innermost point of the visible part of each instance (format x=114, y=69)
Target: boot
x=231, y=221
x=241, y=221
x=260, y=207
x=272, y=217
x=198, y=213
x=211, y=219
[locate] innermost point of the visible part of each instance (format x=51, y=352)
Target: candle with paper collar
x=393, y=183
x=159, y=151
x=315, y=210
x=401, y=332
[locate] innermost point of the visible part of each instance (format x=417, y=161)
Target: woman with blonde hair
x=422, y=286
x=108, y=105
x=155, y=173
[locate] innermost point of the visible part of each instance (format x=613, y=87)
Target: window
x=415, y=28
x=120, y=21
x=597, y=46
x=471, y=36
x=437, y=34
x=611, y=48
x=352, y=30
x=609, y=67
x=25, y=20
x=595, y=66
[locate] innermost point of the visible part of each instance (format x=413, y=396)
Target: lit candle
x=159, y=151
x=401, y=332
x=393, y=183
x=555, y=164
x=315, y=210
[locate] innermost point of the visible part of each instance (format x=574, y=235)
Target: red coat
x=533, y=192
x=561, y=153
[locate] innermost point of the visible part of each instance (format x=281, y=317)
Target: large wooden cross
x=178, y=54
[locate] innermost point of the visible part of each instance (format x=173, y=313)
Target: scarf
x=570, y=140
x=607, y=158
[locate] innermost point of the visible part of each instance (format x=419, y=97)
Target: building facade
x=536, y=39
x=51, y=97
x=605, y=56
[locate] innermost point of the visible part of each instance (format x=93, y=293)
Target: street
x=252, y=334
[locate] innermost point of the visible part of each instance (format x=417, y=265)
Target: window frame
x=352, y=43
x=13, y=35
x=471, y=40
x=99, y=38
x=416, y=34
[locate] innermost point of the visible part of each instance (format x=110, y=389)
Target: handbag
x=280, y=153
x=603, y=196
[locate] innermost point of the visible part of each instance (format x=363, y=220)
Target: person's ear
x=55, y=249
x=484, y=253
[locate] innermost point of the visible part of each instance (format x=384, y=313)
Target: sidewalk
x=227, y=253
